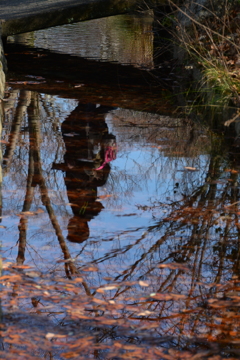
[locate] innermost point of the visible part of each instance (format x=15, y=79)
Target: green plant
x=210, y=37
x=220, y=81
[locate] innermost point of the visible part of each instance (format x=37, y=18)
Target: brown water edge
x=110, y=84
x=54, y=318
x=177, y=299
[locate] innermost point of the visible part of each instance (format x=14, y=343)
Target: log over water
x=19, y=16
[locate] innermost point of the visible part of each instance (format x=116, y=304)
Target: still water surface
x=119, y=227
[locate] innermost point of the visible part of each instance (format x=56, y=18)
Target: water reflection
x=3, y=68
x=89, y=150
x=134, y=255
x=161, y=249
x=127, y=39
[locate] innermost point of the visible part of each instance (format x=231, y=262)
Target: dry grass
x=212, y=41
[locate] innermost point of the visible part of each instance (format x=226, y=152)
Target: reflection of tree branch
x=26, y=207
x=34, y=133
x=22, y=240
x=186, y=312
x=23, y=103
x=196, y=215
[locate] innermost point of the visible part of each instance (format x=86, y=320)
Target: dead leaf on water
x=106, y=288
x=190, y=168
x=31, y=213
x=173, y=266
x=104, y=196
x=39, y=211
x=90, y=268
x=50, y=336
x=21, y=267
x=145, y=313
x=5, y=265
x=33, y=274
x=233, y=171
x=70, y=355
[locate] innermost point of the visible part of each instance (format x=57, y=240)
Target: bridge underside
x=19, y=16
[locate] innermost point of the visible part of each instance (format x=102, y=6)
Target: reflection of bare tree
x=200, y=236
x=35, y=178
x=23, y=103
x=1, y=180
x=165, y=145
x=188, y=255
x=2, y=92
x=183, y=258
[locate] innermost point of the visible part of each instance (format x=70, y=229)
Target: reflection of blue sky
x=142, y=177
x=61, y=107
x=150, y=183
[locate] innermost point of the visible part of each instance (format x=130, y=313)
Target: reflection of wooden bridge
x=19, y=16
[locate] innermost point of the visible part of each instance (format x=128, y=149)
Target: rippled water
x=119, y=224
x=125, y=39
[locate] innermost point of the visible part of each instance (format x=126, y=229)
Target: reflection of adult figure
x=89, y=149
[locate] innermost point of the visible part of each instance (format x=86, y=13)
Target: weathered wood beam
x=19, y=16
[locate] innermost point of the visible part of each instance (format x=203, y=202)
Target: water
x=123, y=39
x=119, y=224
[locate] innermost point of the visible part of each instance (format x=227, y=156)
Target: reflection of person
x=89, y=149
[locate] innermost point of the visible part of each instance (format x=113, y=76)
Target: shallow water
x=124, y=39
x=119, y=226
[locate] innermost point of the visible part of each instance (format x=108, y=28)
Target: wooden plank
x=19, y=16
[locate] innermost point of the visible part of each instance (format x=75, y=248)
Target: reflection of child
x=78, y=230
x=82, y=180
x=89, y=149
x=84, y=206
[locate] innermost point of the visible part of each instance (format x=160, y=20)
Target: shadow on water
x=120, y=227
